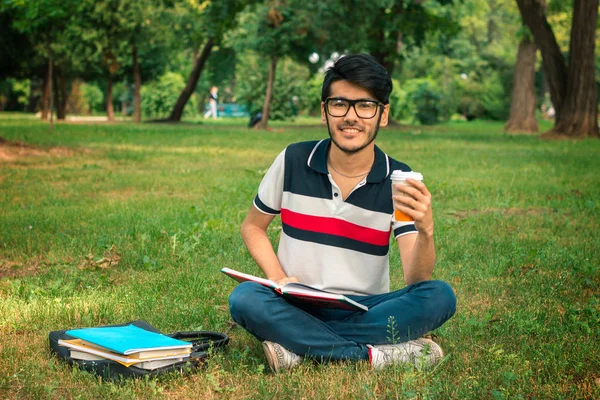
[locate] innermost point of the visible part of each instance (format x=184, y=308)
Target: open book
x=301, y=292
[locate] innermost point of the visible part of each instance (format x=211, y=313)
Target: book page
x=242, y=277
x=80, y=345
x=297, y=286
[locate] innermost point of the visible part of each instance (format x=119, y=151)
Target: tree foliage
x=18, y=57
x=290, y=92
x=449, y=59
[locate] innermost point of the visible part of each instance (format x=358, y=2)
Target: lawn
x=107, y=223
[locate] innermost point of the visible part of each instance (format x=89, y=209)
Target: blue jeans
x=326, y=334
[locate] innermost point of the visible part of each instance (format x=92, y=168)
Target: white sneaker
x=279, y=358
x=419, y=352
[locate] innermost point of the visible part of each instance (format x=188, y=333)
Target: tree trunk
x=383, y=55
x=60, y=96
x=110, y=111
x=523, y=103
x=579, y=112
x=47, y=92
x=553, y=63
x=50, y=77
x=263, y=124
x=46, y=97
x=192, y=81
x=137, y=84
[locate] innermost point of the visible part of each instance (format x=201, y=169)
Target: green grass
x=516, y=228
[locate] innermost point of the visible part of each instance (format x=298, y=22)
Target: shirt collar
x=317, y=160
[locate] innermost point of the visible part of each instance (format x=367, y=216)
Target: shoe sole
x=434, y=348
x=271, y=356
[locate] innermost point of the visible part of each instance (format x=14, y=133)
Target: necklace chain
x=349, y=176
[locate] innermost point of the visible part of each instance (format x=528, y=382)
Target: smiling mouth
x=350, y=130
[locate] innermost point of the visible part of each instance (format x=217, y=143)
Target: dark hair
x=363, y=70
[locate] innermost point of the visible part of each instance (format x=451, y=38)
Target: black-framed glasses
x=339, y=107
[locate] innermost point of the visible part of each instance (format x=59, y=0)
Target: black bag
x=255, y=119
x=201, y=340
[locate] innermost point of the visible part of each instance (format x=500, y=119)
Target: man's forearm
x=422, y=260
x=260, y=248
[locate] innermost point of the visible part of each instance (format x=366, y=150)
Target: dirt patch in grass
x=11, y=151
x=12, y=269
x=122, y=194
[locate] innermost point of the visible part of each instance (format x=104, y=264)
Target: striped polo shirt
x=330, y=243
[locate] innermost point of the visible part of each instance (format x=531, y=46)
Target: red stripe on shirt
x=334, y=226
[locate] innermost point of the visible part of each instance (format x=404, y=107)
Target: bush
x=496, y=101
x=312, y=94
x=476, y=85
x=93, y=97
x=400, y=106
x=469, y=94
x=84, y=98
x=14, y=94
x=482, y=96
x=159, y=97
x=425, y=99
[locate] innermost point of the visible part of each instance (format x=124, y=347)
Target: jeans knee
x=243, y=299
x=445, y=297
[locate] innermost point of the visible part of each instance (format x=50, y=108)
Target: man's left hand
x=416, y=203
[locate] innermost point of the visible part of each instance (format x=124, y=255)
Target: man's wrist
x=277, y=277
x=426, y=234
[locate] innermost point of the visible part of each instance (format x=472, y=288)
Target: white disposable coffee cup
x=399, y=178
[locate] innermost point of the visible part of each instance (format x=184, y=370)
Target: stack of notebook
x=127, y=345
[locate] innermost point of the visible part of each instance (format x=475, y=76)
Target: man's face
x=351, y=133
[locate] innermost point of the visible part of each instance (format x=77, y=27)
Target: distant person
x=334, y=197
x=213, y=99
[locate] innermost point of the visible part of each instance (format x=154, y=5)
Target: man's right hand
x=287, y=279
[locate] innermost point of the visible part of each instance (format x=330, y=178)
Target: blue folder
x=128, y=339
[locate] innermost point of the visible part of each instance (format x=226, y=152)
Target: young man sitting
x=335, y=201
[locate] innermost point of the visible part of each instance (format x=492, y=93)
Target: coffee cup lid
x=403, y=175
